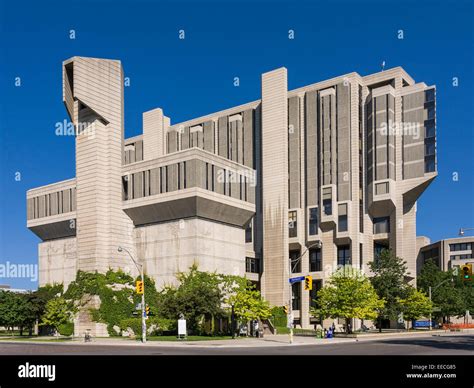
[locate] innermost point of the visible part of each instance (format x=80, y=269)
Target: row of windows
x=381, y=224
x=461, y=257
x=460, y=247
x=182, y=175
x=316, y=260
x=51, y=204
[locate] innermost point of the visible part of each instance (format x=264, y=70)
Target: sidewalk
x=267, y=341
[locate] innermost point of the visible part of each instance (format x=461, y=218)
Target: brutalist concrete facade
x=324, y=175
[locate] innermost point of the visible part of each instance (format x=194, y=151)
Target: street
x=421, y=345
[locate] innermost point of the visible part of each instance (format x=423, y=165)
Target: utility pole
x=318, y=244
x=140, y=269
x=429, y=295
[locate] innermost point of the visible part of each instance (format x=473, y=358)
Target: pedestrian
x=257, y=333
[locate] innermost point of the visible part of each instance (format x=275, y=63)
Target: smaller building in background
x=447, y=253
x=5, y=287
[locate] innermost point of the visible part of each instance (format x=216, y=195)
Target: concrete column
x=275, y=186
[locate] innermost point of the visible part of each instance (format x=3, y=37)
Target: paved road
x=429, y=345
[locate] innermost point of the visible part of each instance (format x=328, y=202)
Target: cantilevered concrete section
x=329, y=172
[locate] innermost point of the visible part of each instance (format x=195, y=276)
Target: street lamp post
x=430, y=290
x=140, y=269
x=463, y=230
x=290, y=304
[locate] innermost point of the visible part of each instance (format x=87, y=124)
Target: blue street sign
x=295, y=280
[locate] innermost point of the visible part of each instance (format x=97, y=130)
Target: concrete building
x=447, y=253
x=311, y=178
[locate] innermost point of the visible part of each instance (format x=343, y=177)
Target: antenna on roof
x=383, y=65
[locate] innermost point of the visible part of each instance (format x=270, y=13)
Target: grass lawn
x=36, y=338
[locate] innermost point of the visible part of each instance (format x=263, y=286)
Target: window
x=381, y=225
x=317, y=285
x=295, y=261
x=378, y=248
x=252, y=265
x=461, y=257
x=327, y=201
x=296, y=295
x=361, y=254
x=315, y=260
x=429, y=95
x=430, y=130
x=431, y=254
x=292, y=225
x=342, y=218
x=343, y=255
x=460, y=247
x=248, y=232
x=431, y=112
x=430, y=147
x=313, y=221
x=429, y=164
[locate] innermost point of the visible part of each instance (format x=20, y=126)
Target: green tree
x=58, y=312
x=415, y=306
x=349, y=294
x=447, y=291
x=389, y=281
x=246, y=301
x=198, y=296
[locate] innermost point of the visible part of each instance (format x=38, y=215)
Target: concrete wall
x=57, y=261
x=172, y=247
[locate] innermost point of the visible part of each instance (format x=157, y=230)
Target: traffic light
x=147, y=310
x=285, y=309
x=308, y=282
x=139, y=287
x=466, y=272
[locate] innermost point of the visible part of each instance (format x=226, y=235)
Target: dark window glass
x=381, y=225
x=430, y=130
x=343, y=255
x=342, y=223
x=248, y=232
x=315, y=260
x=295, y=261
x=252, y=265
x=430, y=147
x=296, y=295
x=327, y=205
x=378, y=248
x=292, y=224
x=429, y=164
x=313, y=221
x=429, y=95
x=317, y=285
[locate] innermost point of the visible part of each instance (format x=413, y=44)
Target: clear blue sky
x=193, y=77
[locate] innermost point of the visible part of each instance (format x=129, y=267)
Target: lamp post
x=290, y=297
x=430, y=290
x=140, y=269
x=463, y=230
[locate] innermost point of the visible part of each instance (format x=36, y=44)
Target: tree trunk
x=347, y=325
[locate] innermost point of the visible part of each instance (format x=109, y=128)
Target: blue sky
x=194, y=76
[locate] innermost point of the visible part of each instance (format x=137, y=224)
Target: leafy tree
x=389, y=281
x=415, y=305
x=447, y=291
x=58, y=312
x=198, y=296
x=349, y=295
x=246, y=301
